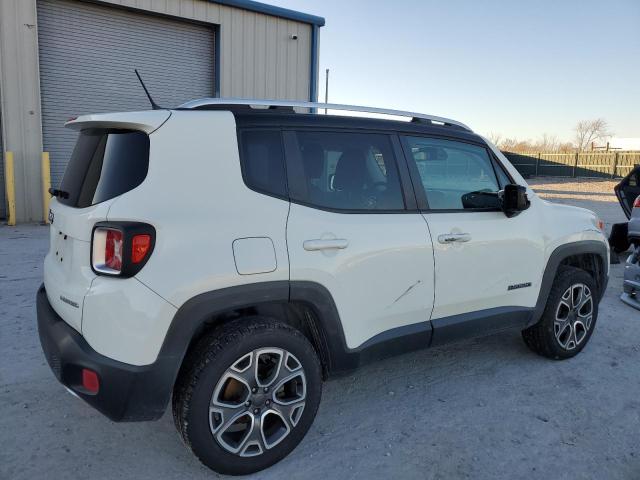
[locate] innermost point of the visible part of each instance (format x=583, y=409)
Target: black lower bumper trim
x=127, y=392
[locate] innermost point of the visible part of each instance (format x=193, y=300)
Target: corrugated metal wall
x=258, y=59
x=3, y=198
x=88, y=54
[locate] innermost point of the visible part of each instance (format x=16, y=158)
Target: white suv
x=231, y=257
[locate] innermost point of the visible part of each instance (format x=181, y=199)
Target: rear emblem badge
x=51, y=216
x=69, y=302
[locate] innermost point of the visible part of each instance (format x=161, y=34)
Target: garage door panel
x=88, y=54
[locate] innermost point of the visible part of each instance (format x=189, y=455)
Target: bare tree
x=548, y=143
x=495, y=138
x=588, y=131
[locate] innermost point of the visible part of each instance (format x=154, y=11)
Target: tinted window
x=348, y=171
x=503, y=178
x=262, y=159
x=105, y=164
x=455, y=175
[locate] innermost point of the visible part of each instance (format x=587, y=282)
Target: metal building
x=62, y=58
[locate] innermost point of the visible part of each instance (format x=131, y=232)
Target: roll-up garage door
x=88, y=54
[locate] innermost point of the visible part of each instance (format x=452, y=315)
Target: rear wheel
x=247, y=395
x=569, y=316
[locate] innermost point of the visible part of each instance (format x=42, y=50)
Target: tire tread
x=537, y=337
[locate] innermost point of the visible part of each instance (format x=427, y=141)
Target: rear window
x=105, y=164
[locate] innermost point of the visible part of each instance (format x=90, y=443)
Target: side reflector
x=140, y=245
x=636, y=204
x=90, y=380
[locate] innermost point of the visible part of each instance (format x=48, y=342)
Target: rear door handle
x=454, y=237
x=328, y=244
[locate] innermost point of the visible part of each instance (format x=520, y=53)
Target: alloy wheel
x=574, y=316
x=258, y=401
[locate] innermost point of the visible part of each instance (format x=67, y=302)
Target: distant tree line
x=587, y=133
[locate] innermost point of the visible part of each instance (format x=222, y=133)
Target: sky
x=519, y=69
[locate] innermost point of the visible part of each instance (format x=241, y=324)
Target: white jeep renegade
x=230, y=257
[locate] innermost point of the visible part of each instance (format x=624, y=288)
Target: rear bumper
x=126, y=393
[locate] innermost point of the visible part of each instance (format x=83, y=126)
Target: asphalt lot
x=486, y=408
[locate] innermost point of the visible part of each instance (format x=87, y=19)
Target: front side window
x=347, y=171
x=262, y=158
x=455, y=175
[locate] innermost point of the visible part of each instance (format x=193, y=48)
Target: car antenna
x=154, y=105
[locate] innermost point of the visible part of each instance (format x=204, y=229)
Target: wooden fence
x=584, y=164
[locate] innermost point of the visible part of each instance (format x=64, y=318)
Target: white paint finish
x=125, y=320
x=381, y=280
x=213, y=233
x=67, y=268
x=68, y=276
x=254, y=255
x=500, y=251
x=146, y=121
x=199, y=209
x=475, y=275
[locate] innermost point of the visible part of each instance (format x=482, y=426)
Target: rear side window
x=104, y=165
x=262, y=159
x=455, y=175
x=346, y=171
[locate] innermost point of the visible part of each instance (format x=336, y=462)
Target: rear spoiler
x=147, y=121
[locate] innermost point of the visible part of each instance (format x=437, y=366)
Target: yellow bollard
x=10, y=188
x=46, y=184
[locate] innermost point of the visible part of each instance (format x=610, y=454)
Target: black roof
x=274, y=118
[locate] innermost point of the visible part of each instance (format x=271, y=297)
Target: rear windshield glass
x=105, y=164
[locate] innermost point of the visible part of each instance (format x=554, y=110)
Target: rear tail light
x=121, y=248
x=636, y=204
x=140, y=246
x=106, y=251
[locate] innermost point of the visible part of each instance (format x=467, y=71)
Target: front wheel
x=569, y=316
x=247, y=395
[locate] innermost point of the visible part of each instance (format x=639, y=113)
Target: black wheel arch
x=310, y=307
x=588, y=255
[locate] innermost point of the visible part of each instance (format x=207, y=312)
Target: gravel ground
x=486, y=408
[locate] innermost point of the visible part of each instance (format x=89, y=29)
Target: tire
x=561, y=332
x=219, y=377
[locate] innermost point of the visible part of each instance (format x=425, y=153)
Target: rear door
x=484, y=261
x=353, y=229
x=628, y=190
x=105, y=163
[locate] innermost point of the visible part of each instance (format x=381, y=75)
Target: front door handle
x=454, y=237
x=325, y=244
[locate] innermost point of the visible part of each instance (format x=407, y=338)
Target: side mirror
x=514, y=200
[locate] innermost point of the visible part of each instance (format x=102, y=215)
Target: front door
x=349, y=230
x=483, y=260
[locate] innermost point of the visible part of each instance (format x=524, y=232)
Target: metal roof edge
x=273, y=11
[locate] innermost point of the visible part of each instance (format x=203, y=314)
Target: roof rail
x=203, y=103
